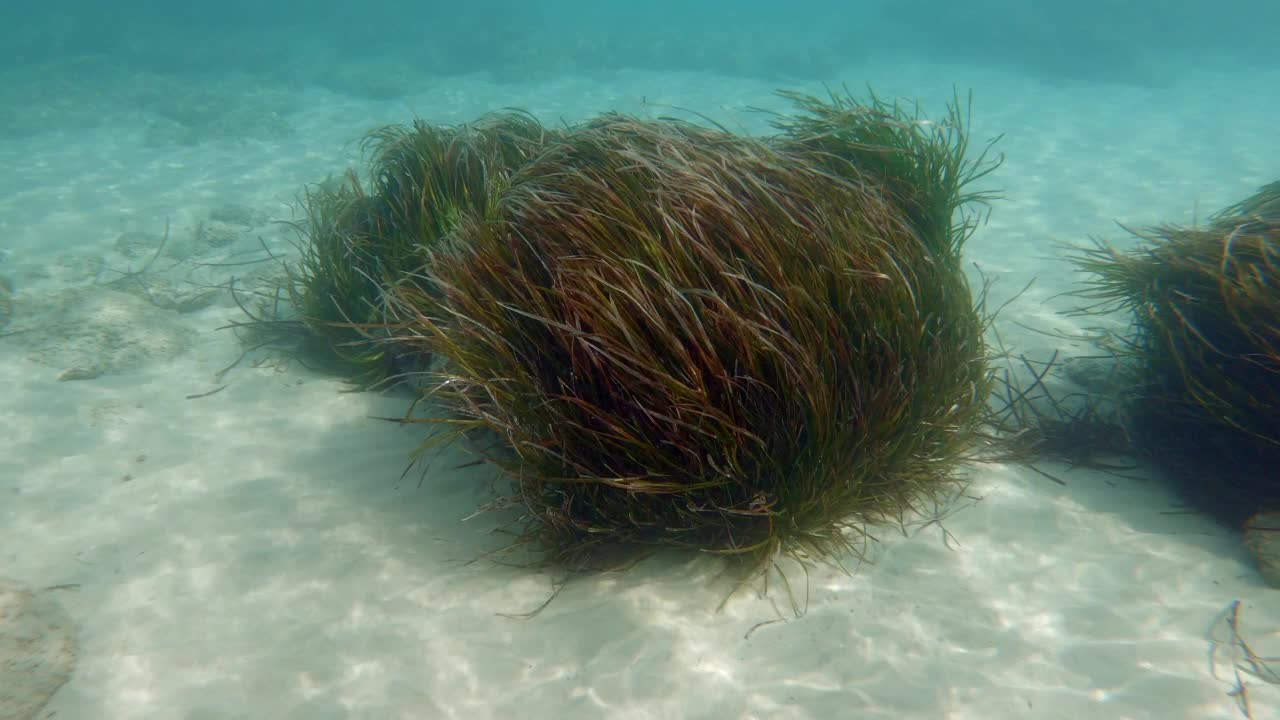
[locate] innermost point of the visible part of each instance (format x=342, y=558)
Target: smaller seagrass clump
x=359, y=241
x=1206, y=308
x=675, y=336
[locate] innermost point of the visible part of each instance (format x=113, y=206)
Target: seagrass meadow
x=670, y=335
x=575, y=335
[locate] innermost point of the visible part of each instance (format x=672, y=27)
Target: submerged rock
x=1262, y=538
x=37, y=649
x=97, y=328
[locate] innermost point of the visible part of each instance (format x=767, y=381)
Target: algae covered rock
x=37, y=649
x=1262, y=539
x=85, y=332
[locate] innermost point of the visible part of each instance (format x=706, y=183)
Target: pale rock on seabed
x=255, y=553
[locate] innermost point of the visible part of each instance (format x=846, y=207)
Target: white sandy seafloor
x=254, y=553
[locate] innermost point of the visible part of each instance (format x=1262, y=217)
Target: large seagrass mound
x=1206, y=308
x=682, y=337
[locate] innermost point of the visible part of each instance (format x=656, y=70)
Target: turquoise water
x=241, y=543
x=1127, y=42
x=69, y=64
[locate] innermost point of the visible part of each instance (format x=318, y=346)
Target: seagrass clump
x=675, y=336
x=359, y=240
x=1206, y=307
x=923, y=166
